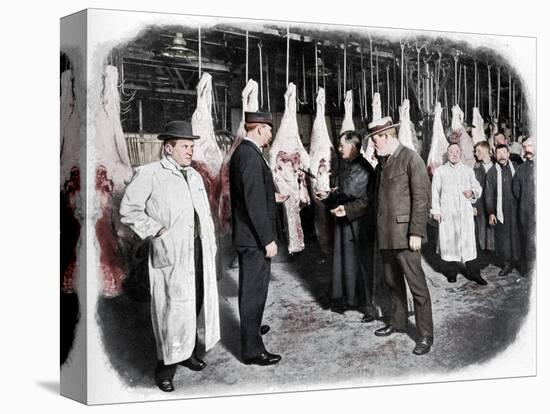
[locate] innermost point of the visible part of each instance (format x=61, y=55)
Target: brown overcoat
x=403, y=199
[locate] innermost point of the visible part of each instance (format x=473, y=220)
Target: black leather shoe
x=165, y=385
x=387, y=331
x=367, y=318
x=265, y=358
x=264, y=329
x=505, y=270
x=193, y=363
x=451, y=279
x=423, y=346
x=480, y=281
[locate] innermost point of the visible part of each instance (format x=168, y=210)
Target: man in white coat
x=454, y=190
x=166, y=202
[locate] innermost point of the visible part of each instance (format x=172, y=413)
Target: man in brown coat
x=403, y=201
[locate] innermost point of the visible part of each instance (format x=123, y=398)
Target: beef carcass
x=321, y=153
x=110, y=258
x=407, y=134
x=207, y=157
x=461, y=137
x=112, y=167
x=110, y=143
x=288, y=160
x=69, y=128
x=478, y=134
x=368, y=148
x=250, y=104
x=438, y=149
x=347, y=122
x=376, y=107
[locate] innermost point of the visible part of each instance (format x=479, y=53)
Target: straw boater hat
x=178, y=130
x=258, y=118
x=380, y=125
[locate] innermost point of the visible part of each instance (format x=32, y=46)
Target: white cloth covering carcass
x=462, y=137
x=478, y=134
x=159, y=196
x=249, y=104
x=207, y=156
x=407, y=134
x=457, y=241
x=320, y=153
x=347, y=122
x=110, y=143
x=438, y=149
x=288, y=160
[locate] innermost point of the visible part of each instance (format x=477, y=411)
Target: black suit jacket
x=253, y=208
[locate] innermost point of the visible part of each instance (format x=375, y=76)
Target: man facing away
x=166, y=202
x=403, y=199
x=255, y=231
x=454, y=190
x=502, y=209
x=523, y=186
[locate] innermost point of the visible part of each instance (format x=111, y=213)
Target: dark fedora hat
x=380, y=125
x=178, y=129
x=258, y=118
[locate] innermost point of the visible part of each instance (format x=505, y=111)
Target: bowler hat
x=178, y=129
x=258, y=118
x=380, y=125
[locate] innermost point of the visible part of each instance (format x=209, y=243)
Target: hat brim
x=382, y=130
x=162, y=137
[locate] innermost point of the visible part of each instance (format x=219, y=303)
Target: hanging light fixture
x=178, y=48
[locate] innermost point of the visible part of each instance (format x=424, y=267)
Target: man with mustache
x=502, y=209
x=523, y=186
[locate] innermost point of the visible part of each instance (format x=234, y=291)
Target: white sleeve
x=132, y=206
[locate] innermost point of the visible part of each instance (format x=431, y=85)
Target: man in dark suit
x=255, y=231
x=403, y=200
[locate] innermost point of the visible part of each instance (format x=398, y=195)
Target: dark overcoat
x=507, y=238
x=485, y=233
x=353, y=234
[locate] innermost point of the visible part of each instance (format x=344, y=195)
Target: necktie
x=197, y=221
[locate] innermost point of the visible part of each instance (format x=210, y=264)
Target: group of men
x=166, y=202
x=486, y=213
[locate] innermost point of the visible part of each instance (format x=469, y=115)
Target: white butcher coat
x=457, y=241
x=159, y=196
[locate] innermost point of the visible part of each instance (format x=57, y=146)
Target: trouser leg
x=337, y=292
x=199, y=283
x=254, y=272
x=412, y=268
x=393, y=276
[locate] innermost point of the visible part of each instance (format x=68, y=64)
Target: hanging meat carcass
x=368, y=152
x=438, y=150
x=207, y=156
x=321, y=154
x=347, y=122
x=288, y=161
x=69, y=128
x=376, y=107
x=70, y=200
x=461, y=137
x=110, y=143
x=407, y=134
x=478, y=133
x=250, y=104
x=112, y=167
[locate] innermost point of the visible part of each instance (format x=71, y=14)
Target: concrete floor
x=322, y=349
